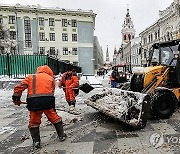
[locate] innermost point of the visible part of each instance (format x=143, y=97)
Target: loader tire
x=163, y=104
x=125, y=86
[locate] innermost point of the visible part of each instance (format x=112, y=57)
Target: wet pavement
x=88, y=133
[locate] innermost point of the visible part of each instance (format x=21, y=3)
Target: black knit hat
x=69, y=69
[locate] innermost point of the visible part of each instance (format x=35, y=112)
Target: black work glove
x=16, y=100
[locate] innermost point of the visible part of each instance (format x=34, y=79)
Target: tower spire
x=128, y=31
x=127, y=15
x=107, y=54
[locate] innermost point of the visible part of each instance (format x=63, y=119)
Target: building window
x=52, y=36
x=74, y=51
x=168, y=36
x=158, y=34
x=1, y=19
x=64, y=37
x=144, y=54
x=51, y=22
x=2, y=35
x=151, y=37
x=2, y=51
x=11, y=19
x=74, y=37
x=129, y=37
x=42, y=36
x=124, y=37
x=52, y=51
x=155, y=35
x=42, y=50
x=64, y=22
x=27, y=30
x=13, y=50
x=74, y=23
x=41, y=21
x=12, y=35
x=65, y=51
x=144, y=40
x=75, y=63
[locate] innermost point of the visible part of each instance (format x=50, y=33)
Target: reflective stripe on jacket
x=40, y=87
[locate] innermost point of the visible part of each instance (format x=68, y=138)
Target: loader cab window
x=168, y=56
x=155, y=57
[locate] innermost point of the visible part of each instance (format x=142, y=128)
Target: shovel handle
x=68, y=88
x=23, y=102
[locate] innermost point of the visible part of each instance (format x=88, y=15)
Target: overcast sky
x=110, y=15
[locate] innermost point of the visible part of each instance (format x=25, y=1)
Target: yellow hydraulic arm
x=156, y=82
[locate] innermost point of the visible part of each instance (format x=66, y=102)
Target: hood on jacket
x=45, y=69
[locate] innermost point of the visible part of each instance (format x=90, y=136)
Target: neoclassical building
x=167, y=27
x=65, y=34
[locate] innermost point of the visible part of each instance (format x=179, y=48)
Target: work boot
x=69, y=103
x=71, y=108
x=60, y=131
x=35, y=137
x=73, y=103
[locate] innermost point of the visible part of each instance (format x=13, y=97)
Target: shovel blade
x=86, y=87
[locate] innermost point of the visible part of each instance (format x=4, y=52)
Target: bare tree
x=7, y=44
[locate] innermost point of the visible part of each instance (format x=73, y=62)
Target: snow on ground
x=90, y=132
x=6, y=90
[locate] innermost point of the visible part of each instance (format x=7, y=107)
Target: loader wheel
x=125, y=86
x=163, y=105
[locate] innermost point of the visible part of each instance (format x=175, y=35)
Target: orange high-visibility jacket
x=69, y=81
x=40, y=87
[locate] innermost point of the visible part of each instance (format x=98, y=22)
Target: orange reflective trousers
x=35, y=117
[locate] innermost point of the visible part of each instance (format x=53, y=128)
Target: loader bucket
x=127, y=106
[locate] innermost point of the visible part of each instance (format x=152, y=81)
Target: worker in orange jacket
x=69, y=82
x=40, y=99
x=113, y=79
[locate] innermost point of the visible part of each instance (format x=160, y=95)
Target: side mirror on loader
x=179, y=47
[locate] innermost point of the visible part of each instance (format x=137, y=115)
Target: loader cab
x=167, y=54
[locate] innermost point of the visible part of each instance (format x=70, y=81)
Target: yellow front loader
x=161, y=79
x=154, y=89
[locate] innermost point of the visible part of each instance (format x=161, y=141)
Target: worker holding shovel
x=70, y=83
x=40, y=99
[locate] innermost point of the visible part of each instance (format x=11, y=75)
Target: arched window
x=124, y=37
x=129, y=37
x=27, y=31
x=155, y=35
x=158, y=34
x=168, y=36
x=149, y=37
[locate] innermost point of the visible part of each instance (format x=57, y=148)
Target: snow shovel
x=85, y=87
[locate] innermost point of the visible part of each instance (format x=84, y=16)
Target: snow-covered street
x=89, y=132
